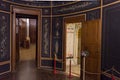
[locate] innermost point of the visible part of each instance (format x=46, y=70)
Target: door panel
x=91, y=42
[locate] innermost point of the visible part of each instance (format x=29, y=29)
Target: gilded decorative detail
x=57, y=34
x=74, y=7
x=46, y=11
x=56, y=47
x=46, y=40
x=3, y=39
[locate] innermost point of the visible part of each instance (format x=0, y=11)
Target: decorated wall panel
x=57, y=37
x=4, y=37
x=92, y=15
x=46, y=11
x=108, y=1
x=4, y=6
x=79, y=6
x=46, y=27
x=111, y=38
x=4, y=68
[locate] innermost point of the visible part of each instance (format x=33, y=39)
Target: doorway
x=26, y=38
x=73, y=47
x=72, y=43
x=89, y=39
x=26, y=32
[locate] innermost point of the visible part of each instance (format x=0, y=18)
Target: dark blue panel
x=46, y=11
x=105, y=78
x=59, y=64
x=4, y=6
x=92, y=15
x=4, y=37
x=57, y=37
x=111, y=38
x=79, y=6
x=50, y=63
x=46, y=27
x=108, y=1
x=4, y=68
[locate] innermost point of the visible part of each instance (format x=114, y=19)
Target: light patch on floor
x=75, y=70
x=28, y=54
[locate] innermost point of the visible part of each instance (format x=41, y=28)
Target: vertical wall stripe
x=51, y=32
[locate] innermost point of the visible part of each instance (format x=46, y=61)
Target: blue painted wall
x=111, y=38
x=54, y=31
x=4, y=37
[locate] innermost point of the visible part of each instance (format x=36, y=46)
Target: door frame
x=28, y=11
x=70, y=19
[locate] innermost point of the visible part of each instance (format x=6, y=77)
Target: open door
x=14, y=37
x=91, y=41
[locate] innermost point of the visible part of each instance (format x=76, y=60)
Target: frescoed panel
x=57, y=37
x=108, y=1
x=46, y=11
x=79, y=6
x=46, y=26
x=4, y=68
x=32, y=3
x=47, y=63
x=57, y=3
x=50, y=64
x=92, y=15
x=111, y=38
x=4, y=37
x=4, y=6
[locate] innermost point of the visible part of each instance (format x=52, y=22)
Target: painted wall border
x=50, y=68
x=40, y=6
x=106, y=5
x=14, y=3
x=4, y=62
x=5, y=72
x=66, y=4
x=59, y=60
x=4, y=11
x=79, y=12
x=109, y=75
